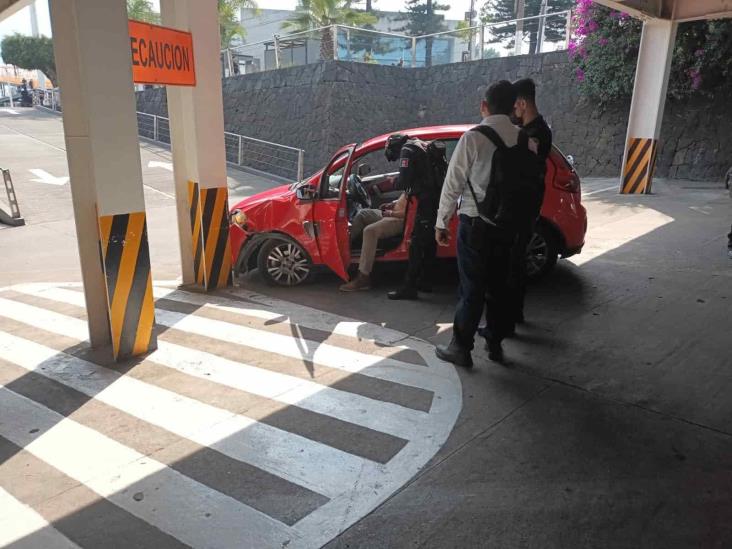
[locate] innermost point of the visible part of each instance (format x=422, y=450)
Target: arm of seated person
x=400, y=207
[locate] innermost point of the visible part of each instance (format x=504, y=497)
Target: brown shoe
x=361, y=282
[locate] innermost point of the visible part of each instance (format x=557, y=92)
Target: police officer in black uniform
x=537, y=135
x=416, y=177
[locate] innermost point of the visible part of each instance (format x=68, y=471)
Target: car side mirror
x=570, y=159
x=363, y=170
x=305, y=192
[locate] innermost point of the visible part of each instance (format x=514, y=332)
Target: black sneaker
x=495, y=351
x=425, y=287
x=455, y=355
x=406, y=292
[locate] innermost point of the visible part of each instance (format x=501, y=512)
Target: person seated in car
x=374, y=224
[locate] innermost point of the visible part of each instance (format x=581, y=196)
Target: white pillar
x=92, y=49
x=649, y=100
x=199, y=153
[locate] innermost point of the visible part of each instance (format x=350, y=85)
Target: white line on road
x=20, y=523
x=173, y=502
x=598, y=191
x=42, y=176
x=9, y=111
x=276, y=451
x=164, y=165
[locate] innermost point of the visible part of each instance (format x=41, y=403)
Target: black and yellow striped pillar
x=209, y=209
x=126, y=262
x=640, y=163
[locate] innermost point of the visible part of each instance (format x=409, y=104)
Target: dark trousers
x=729, y=239
x=484, y=273
x=519, y=275
x=422, y=249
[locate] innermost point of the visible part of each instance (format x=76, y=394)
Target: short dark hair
x=525, y=89
x=501, y=97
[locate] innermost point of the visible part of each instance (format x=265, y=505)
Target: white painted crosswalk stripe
x=237, y=436
x=118, y=473
x=373, y=414
x=19, y=522
x=340, y=481
x=320, y=353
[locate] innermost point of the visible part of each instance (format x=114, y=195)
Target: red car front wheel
x=283, y=263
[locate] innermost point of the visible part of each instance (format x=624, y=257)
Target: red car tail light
x=567, y=181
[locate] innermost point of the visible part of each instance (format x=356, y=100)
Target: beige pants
x=384, y=228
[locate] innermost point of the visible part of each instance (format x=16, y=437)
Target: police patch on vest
x=405, y=163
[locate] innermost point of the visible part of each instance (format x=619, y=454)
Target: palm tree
x=313, y=14
x=229, y=20
x=142, y=10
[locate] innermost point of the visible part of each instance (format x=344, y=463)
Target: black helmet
x=394, y=146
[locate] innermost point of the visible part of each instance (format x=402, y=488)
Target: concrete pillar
x=199, y=153
x=646, y=110
x=92, y=49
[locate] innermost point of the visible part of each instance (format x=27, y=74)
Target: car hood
x=283, y=192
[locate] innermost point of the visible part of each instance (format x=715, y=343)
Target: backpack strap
x=491, y=134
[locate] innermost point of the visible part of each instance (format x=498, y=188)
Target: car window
x=450, y=145
x=380, y=166
x=330, y=185
x=377, y=162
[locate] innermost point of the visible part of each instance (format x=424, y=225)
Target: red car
x=287, y=231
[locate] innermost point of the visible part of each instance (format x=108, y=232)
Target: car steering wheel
x=358, y=192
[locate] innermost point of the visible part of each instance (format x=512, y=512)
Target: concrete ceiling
x=9, y=7
x=677, y=10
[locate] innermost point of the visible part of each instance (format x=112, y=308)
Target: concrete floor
x=612, y=426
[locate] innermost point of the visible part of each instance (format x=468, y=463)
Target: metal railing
x=47, y=99
x=243, y=151
x=534, y=34
x=248, y=152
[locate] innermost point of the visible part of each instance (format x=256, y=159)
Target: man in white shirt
x=483, y=260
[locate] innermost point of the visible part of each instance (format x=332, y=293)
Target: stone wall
x=321, y=107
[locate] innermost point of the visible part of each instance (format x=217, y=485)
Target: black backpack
x=437, y=156
x=512, y=199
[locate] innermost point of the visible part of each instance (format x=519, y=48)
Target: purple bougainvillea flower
x=603, y=41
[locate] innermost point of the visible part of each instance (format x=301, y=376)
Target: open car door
x=330, y=213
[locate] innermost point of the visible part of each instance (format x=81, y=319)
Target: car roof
x=427, y=132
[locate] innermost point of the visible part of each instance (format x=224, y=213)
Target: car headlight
x=238, y=217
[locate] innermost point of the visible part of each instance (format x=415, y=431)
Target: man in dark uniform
x=416, y=177
x=538, y=137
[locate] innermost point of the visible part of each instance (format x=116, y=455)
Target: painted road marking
x=9, y=111
x=238, y=437
x=19, y=522
x=42, y=176
x=598, y=191
x=40, y=325
x=172, y=502
x=157, y=164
